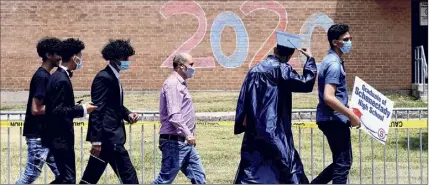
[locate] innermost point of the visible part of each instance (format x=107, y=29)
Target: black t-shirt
x=33, y=125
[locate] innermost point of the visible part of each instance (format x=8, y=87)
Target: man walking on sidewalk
x=35, y=118
x=333, y=116
x=177, y=141
x=61, y=109
x=106, y=129
x=264, y=113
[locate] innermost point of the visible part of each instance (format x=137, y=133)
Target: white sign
x=423, y=13
x=373, y=109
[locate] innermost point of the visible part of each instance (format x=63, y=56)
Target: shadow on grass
x=415, y=142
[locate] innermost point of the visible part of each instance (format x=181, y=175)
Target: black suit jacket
x=106, y=123
x=60, y=106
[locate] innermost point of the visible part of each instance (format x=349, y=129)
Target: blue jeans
x=177, y=155
x=37, y=156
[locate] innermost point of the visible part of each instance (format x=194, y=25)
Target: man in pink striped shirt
x=177, y=142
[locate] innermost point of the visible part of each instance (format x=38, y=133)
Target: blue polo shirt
x=331, y=71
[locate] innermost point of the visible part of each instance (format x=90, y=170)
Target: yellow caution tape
x=393, y=124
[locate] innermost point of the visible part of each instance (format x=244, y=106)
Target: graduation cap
x=288, y=40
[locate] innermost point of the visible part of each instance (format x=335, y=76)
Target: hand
x=245, y=121
x=191, y=140
x=133, y=117
x=305, y=52
x=95, y=150
x=90, y=107
x=355, y=121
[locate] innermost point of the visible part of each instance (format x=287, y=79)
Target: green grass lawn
x=220, y=151
x=225, y=101
x=219, y=148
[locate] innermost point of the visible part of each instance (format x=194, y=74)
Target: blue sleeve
x=304, y=82
x=332, y=73
x=40, y=91
x=240, y=111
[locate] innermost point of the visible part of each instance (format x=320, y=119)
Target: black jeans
x=338, y=136
x=118, y=158
x=62, y=149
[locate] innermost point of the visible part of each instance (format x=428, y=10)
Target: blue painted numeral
x=242, y=44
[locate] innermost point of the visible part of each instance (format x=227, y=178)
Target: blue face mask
x=125, y=65
x=80, y=64
x=190, y=72
x=346, y=47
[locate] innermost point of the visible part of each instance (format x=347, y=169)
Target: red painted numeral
x=194, y=9
x=250, y=6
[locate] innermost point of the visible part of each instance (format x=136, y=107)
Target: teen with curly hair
x=106, y=129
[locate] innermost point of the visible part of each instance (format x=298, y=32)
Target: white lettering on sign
x=423, y=13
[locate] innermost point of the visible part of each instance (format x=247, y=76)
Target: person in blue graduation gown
x=263, y=113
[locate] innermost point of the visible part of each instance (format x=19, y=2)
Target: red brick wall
x=381, y=31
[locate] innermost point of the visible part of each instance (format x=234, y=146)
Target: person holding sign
x=334, y=118
x=264, y=111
